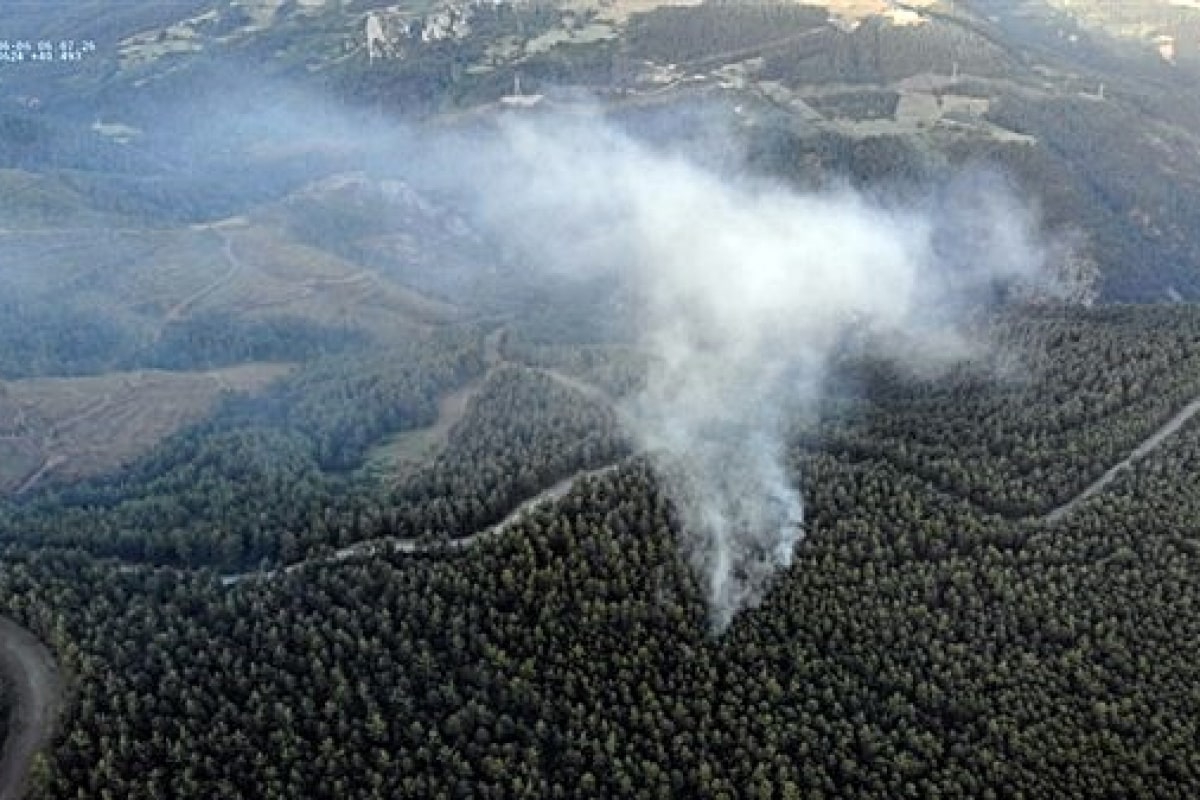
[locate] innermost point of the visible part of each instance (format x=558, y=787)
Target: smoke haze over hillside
x=742, y=290
x=745, y=291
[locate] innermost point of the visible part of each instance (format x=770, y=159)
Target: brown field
x=154, y=278
x=404, y=452
x=147, y=279
x=270, y=275
x=70, y=428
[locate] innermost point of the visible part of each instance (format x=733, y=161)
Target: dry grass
x=240, y=269
x=82, y=427
x=404, y=452
x=280, y=277
x=621, y=10
x=18, y=460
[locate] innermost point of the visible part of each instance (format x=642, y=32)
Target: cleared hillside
x=63, y=429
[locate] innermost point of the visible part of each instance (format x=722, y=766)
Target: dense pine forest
x=935, y=637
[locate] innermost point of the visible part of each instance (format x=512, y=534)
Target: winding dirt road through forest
x=33, y=678
x=452, y=408
x=451, y=413
x=393, y=544
x=370, y=547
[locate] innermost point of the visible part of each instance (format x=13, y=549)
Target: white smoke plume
x=746, y=290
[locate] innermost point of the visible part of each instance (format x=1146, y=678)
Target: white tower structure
x=376, y=40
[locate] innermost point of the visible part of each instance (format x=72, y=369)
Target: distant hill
x=1083, y=107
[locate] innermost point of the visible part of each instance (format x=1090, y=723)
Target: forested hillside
x=351, y=352
x=929, y=639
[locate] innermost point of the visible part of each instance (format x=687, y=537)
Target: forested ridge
x=1091, y=386
x=930, y=640
x=524, y=432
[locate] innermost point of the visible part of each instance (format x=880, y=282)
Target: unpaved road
x=451, y=410
x=51, y=463
x=37, y=693
x=180, y=310
x=1150, y=443
x=369, y=547
x=548, y=495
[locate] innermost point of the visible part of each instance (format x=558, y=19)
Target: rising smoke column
x=746, y=295
x=745, y=291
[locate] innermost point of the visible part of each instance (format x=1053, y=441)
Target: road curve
x=395, y=544
x=398, y=545
x=178, y=311
x=37, y=695
x=1151, y=442
x=449, y=414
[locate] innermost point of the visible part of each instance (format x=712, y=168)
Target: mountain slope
x=1100, y=130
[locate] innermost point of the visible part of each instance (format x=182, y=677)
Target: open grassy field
x=402, y=453
x=70, y=428
x=269, y=274
x=160, y=277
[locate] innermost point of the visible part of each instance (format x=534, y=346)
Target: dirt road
x=1150, y=443
x=181, y=309
x=37, y=693
x=51, y=463
x=548, y=495
x=451, y=409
